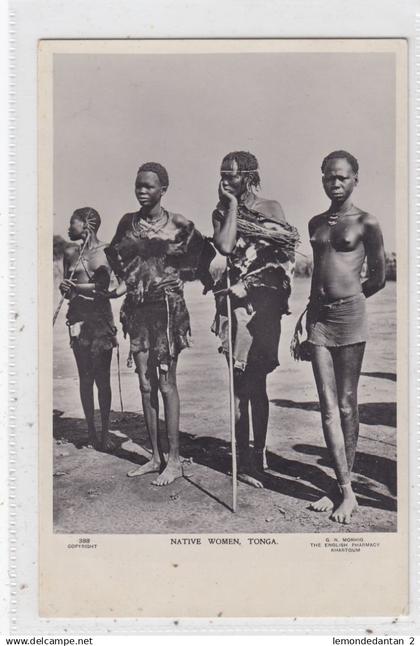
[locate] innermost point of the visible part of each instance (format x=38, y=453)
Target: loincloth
x=160, y=327
x=342, y=322
x=91, y=324
x=256, y=335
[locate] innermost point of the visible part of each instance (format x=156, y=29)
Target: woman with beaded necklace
x=342, y=239
x=152, y=253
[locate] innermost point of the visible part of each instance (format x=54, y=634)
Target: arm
x=224, y=239
x=311, y=230
x=375, y=256
x=224, y=235
x=86, y=289
x=66, y=285
x=118, y=291
x=98, y=285
x=192, y=253
x=111, y=251
x=186, y=234
x=66, y=263
x=123, y=224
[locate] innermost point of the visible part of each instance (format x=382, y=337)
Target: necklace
x=333, y=218
x=144, y=229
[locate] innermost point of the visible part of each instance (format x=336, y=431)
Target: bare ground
x=92, y=493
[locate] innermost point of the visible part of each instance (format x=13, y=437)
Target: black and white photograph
x=225, y=240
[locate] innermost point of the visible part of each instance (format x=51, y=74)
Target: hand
x=111, y=294
x=66, y=286
x=309, y=325
x=239, y=290
x=227, y=196
x=120, y=290
x=177, y=284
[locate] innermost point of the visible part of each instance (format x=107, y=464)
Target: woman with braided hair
x=259, y=244
x=89, y=318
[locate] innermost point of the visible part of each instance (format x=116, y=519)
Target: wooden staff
x=70, y=278
x=231, y=395
x=119, y=377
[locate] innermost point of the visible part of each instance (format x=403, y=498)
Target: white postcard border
x=36, y=20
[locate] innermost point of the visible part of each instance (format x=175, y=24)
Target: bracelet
x=245, y=284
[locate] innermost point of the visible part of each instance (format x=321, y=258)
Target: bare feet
x=265, y=462
x=171, y=472
x=347, y=507
x=150, y=467
x=107, y=444
x=323, y=504
x=249, y=479
x=92, y=439
x=251, y=468
x=258, y=460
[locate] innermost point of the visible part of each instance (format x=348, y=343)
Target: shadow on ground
x=375, y=414
x=367, y=467
x=290, y=477
x=381, y=375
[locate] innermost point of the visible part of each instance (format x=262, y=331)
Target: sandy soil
x=92, y=493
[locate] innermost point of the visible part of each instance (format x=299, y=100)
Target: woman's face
x=149, y=190
x=232, y=180
x=339, y=180
x=77, y=228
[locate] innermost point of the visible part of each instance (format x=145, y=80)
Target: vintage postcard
x=223, y=382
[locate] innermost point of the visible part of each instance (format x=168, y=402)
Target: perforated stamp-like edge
x=12, y=375
x=415, y=387
x=415, y=357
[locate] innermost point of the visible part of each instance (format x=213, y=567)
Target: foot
x=323, y=504
x=259, y=460
x=150, y=467
x=171, y=472
x=343, y=513
x=92, y=439
x=265, y=462
x=108, y=444
x=252, y=480
x=250, y=468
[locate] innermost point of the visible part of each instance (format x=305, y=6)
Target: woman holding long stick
x=342, y=239
x=259, y=244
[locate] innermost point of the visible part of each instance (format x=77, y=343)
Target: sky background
x=114, y=112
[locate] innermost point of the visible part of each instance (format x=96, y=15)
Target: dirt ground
x=92, y=493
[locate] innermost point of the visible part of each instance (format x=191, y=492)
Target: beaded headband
x=240, y=172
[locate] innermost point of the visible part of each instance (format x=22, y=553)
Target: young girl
x=89, y=317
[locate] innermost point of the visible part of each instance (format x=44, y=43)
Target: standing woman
x=342, y=239
x=259, y=244
x=152, y=252
x=89, y=318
